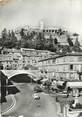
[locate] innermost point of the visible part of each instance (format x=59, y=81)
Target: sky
x=59, y=13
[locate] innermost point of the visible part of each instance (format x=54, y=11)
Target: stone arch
x=13, y=74
x=22, y=78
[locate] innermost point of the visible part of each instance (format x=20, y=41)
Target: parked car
x=36, y=96
x=37, y=89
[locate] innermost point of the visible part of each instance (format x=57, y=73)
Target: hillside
x=55, y=40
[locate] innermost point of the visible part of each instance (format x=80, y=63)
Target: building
x=6, y=61
x=32, y=56
x=11, y=59
x=49, y=32
x=54, y=34
x=65, y=67
x=72, y=105
x=19, y=59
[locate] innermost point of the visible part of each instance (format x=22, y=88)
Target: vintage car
x=36, y=96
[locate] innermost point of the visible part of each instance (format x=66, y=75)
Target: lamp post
x=65, y=110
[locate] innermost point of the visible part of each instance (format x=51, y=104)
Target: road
x=28, y=107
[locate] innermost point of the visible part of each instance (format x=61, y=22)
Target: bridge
x=12, y=73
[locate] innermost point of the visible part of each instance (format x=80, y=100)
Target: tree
x=40, y=41
x=77, y=46
x=65, y=49
x=8, y=39
x=4, y=37
x=18, y=44
x=69, y=41
x=12, y=40
x=22, y=33
x=4, y=33
x=55, y=41
x=9, y=35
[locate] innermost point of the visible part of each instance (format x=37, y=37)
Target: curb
x=11, y=107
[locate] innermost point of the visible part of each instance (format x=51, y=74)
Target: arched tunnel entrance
x=22, y=78
x=19, y=78
x=9, y=84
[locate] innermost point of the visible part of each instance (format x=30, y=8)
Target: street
x=26, y=106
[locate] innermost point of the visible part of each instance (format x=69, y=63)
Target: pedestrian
x=37, y=99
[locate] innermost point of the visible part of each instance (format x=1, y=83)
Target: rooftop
x=63, y=55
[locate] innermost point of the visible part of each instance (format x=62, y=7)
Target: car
x=36, y=96
x=37, y=89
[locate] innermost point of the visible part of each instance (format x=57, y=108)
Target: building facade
x=19, y=59
x=11, y=59
x=66, y=67
x=32, y=56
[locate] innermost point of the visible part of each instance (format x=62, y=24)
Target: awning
x=44, y=80
x=77, y=84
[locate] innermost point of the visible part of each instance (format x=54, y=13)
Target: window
x=48, y=61
x=43, y=30
x=64, y=59
x=79, y=58
x=81, y=68
x=72, y=59
x=54, y=60
x=35, y=61
x=52, y=30
x=57, y=61
x=71, y=67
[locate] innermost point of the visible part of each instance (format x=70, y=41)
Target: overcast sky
x=61, y=13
